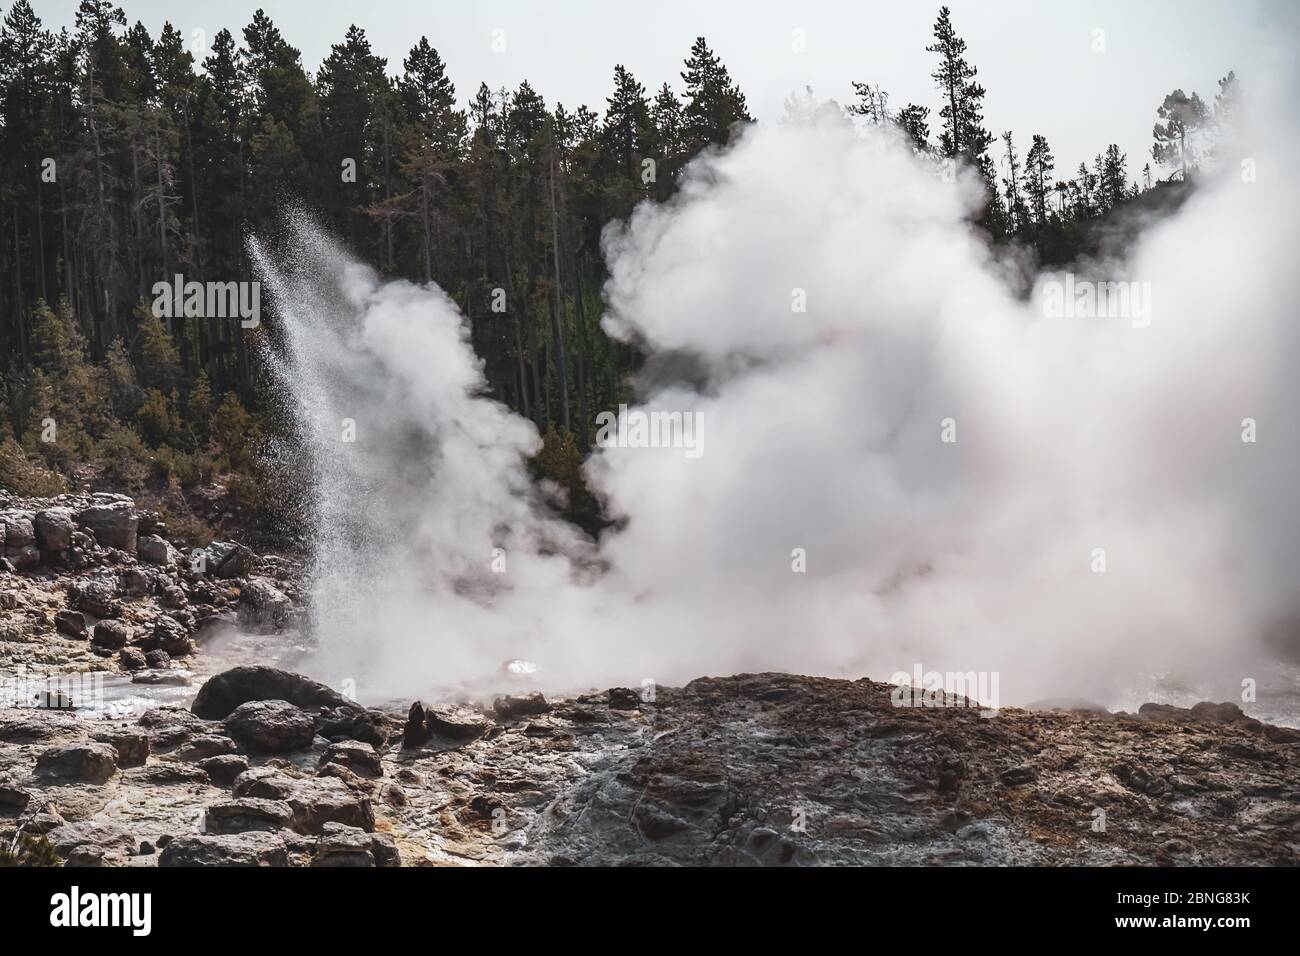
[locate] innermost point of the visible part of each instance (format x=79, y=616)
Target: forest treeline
x=130, y=158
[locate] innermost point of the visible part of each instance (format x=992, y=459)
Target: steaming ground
x=822, y=431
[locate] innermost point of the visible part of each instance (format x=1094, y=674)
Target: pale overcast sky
x=1035, y=57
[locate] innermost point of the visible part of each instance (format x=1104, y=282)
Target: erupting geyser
x=920, y=467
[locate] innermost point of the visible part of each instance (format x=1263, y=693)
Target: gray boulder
x=252, y=848
x=271, y=726
x=54, y=529
x=114, y=524
x=155, y=550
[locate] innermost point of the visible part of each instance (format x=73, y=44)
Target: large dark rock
x=227, y=690
x=54, y=529
x=252, y=848
x=80, y=763
x=72, y=623
x=114, y=524
x=247, y=813
x=271, y=726
x=112, y=634
x=97, y=597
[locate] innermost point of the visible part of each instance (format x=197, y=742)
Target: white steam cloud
x=823, y=432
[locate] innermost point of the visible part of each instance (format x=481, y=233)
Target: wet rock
x=132, y=659
x=72, y=623
x=247, y=813
x=54, y=529
x=84, y=763
x=155, y=550
x=224, y=768
x=512, y=708
x=357, y=756
x=221, y=694
x=252, y=848
x=271, y=726
x=111, y=634
x=105, y=835
x=114, y=525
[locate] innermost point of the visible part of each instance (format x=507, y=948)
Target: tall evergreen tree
x=714, y=104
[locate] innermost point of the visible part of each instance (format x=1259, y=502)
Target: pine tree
x=963, y=128
x=1183, y=116
x=911, y=119
x=714, y=104
x=1039, y=166
x=1114, y=176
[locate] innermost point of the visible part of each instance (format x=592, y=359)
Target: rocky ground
x=265, y=767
